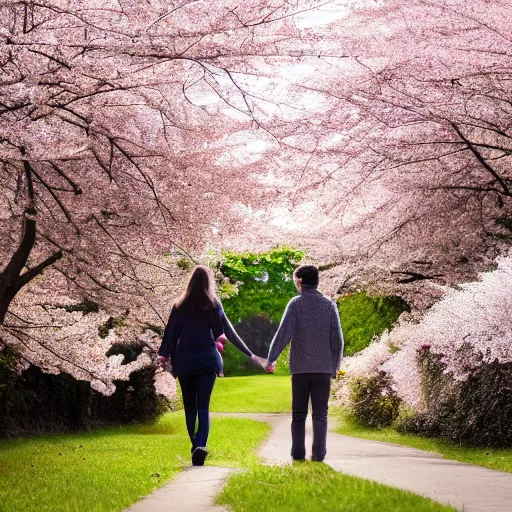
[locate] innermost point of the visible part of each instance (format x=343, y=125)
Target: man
x=312, y=323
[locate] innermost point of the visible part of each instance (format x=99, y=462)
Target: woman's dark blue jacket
x=189, y=340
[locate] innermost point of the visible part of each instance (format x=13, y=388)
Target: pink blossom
x=470, y=325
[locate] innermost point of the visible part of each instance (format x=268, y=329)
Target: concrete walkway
x=193, y=490
x=467, y=488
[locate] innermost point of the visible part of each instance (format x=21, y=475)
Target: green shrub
x=134, y=400
x=255, y=290
x=408, y=421
x=373, y=402
x=258, y=283
x=38, y=402
x=475, y=411
x=363, y=317
x=33, y=402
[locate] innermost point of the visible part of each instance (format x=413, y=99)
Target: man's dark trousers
x=318, y=387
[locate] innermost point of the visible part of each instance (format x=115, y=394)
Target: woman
x=197, y=320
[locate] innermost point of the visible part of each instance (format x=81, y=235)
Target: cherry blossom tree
x=113, y=151
x=403, y=158
x=133, y=134
x=457, y=341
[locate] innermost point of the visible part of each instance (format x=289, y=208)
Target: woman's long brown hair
x=200, y=291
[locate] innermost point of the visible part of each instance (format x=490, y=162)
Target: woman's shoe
x=199, y=455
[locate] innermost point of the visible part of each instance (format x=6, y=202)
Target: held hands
x=260, y=360
x=270, y=368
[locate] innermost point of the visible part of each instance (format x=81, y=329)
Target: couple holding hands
x=310, y=323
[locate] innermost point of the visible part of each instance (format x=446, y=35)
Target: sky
x=330, y=12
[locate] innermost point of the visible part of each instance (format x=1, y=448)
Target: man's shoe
x=198, y=456
x=317, y=459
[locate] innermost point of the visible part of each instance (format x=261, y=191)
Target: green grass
x=499, y=459
x=234, y=442
x=255, y=393
x=314, y=487
x=363, y=317
x=109, y=469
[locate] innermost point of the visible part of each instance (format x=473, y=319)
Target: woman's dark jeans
x=318, y=386
x=196, y=391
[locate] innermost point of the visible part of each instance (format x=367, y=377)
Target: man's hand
x=270, y=367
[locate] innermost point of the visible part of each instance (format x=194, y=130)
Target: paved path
x=468, y=488
x=193, y=490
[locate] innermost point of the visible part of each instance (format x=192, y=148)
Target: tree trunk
x=10, y=276
x=11, y=279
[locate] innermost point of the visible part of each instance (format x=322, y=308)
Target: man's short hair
x=308, y=274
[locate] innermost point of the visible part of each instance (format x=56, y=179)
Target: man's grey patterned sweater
x=311, y=322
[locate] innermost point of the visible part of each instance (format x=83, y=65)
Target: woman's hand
x=260, y=360
x=220, y=342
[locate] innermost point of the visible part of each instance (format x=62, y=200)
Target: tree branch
x=27, y=276
x=414, y=276
x=481, y=159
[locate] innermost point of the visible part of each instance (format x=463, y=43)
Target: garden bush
x=408, y=421
x=477, y=410
x=472, y=411
x=452, y=368
x=373, y=401
x=33, y=402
